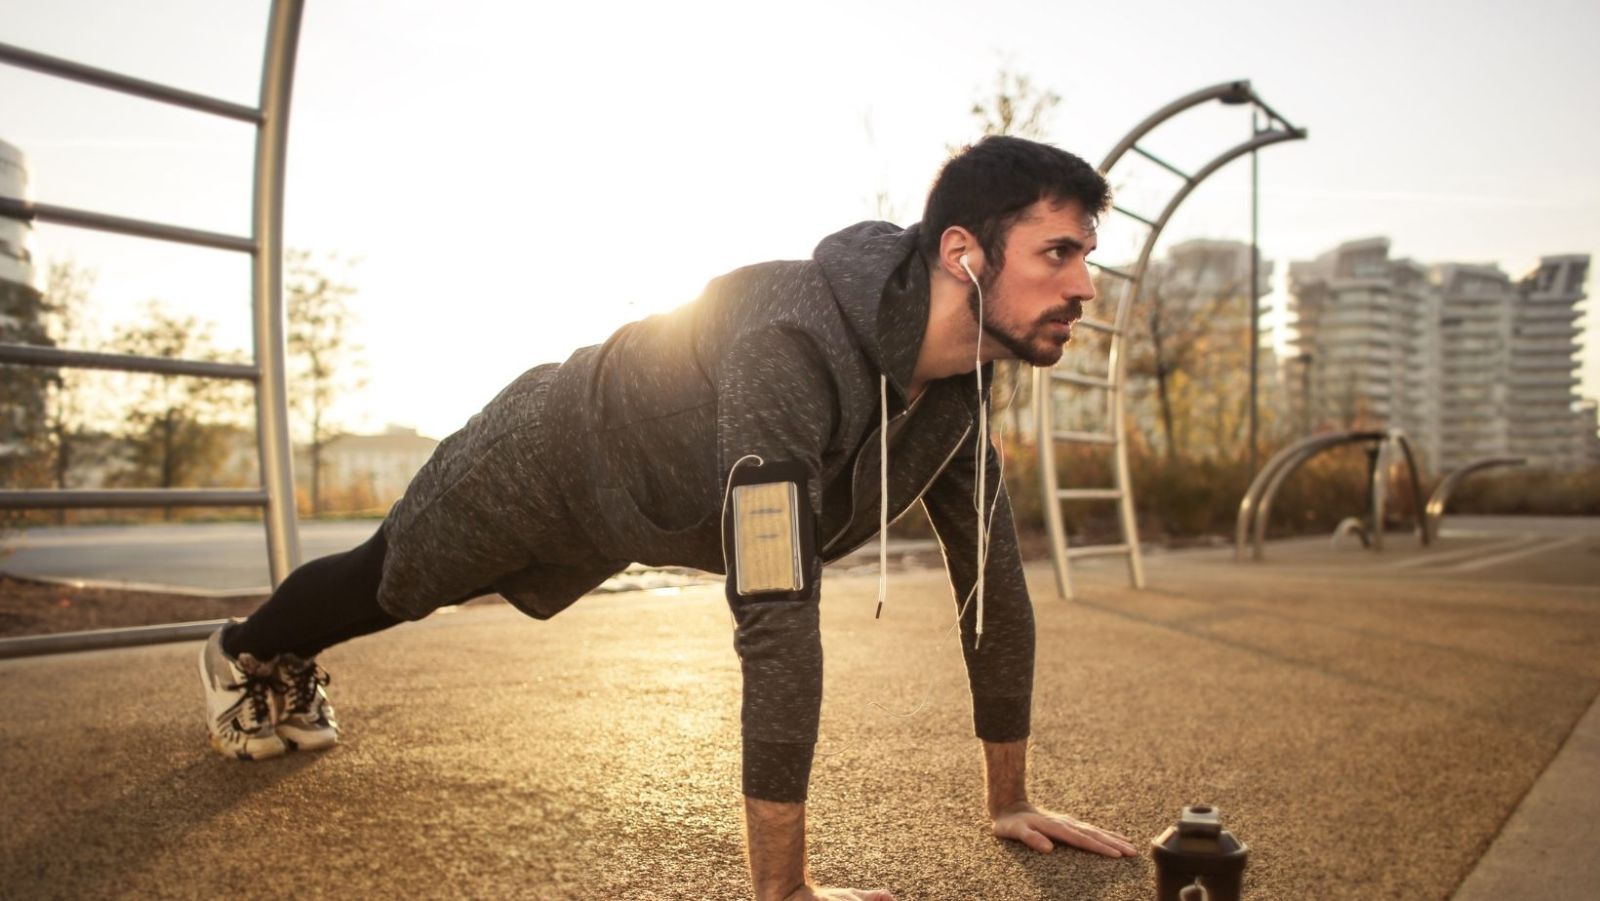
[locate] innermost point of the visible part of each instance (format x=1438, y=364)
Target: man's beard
x=1024, y=347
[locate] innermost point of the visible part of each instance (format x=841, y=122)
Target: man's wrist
x=1005, y=776
x=775, y=838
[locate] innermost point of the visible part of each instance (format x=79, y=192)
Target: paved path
x=219, y=557
x=231, y=557
x=1370, y=731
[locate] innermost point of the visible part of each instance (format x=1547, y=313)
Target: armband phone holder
x=769, y=533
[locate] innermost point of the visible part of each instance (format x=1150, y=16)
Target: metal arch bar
x=1252, y=496
x=114, y=81
x=1417, y=502
x=1119, y=359
x=267, y=308
x=1043, y=419
x=96, y=499
x=1264, y=507
x=1379, y=487
x=36, y=355
x=1271, y=113
x=1447, y=486
x=1134, y=216
x=1236, y=91
x=28, y=211
x=1162, y=163
x=102, y=639
x=1111, y=270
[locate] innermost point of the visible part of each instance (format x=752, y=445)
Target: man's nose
x=1081, y=288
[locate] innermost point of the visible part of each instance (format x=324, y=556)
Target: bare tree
x=177, y=427
x=23, y=443
x=320, y=349
x=67, y=318
x=1184, y=346
x=1016, y=107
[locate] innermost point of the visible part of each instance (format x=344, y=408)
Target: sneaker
x=306, y=718
x=239, y=702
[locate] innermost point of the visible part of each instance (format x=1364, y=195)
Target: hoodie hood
x=881, y=286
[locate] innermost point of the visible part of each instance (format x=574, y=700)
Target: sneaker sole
x=235, y=754
x=294, y=745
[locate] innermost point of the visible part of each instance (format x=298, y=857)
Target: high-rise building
x=1475, y=330
x=22, y=416
x=1542, y=391
x=1467, y=361
x=1368, y=352
x=16, y=260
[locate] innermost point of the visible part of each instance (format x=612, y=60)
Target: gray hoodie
x=623, y=453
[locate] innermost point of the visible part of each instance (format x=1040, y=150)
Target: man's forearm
x=1005, y=774
x=775, y=834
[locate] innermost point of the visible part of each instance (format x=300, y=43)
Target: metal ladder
x=1129, y=281
x=265, y=247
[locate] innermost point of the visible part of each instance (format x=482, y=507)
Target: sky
x=515, y=180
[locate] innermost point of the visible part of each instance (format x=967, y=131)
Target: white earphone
x=981, y=464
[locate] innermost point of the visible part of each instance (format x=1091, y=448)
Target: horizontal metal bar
x=1089, y=494
x=1085, y=437
x=1097, y=550
x=1111, y=270
x=34, y=355
x=27, y=210
x=1098, y=325
x=1087, y=381
x=102, y=639
x=138, y=87
x=1163, y=163
x=105, y=499
x=1132, y=215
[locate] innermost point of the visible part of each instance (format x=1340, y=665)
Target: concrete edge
x=1544, y=850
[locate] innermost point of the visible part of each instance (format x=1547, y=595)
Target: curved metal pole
x=1228, y=91
x=1264, y=512
x=1047, y=477
x=1380, y=486
x=1252, y=496
x=1447, y=486
x=1378, y=489
x=272, y=409
x=1417, y=502
x=1119, y=359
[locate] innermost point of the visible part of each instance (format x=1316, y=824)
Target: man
x=744, y=433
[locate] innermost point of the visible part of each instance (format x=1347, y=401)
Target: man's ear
x=955, y=243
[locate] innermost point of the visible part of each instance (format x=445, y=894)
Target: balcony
x=1546, y=330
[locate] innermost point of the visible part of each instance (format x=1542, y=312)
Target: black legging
x=329, y=600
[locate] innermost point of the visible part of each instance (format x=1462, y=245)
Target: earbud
x=966, y=267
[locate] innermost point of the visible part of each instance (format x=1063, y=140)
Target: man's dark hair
x=987, y=186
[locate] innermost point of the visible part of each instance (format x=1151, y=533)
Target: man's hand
x=1041, y=830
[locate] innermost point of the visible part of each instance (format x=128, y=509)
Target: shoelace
x=300, y=686
x=258, y=689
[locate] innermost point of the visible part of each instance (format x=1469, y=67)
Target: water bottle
x=1198, y=860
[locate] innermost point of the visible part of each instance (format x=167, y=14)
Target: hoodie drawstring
x=883, y=492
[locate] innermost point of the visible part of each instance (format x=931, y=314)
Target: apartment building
x=1543, y=380
x=22, y=311
x=1469, y=362
x=1475, y=328
x=1367, y=343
